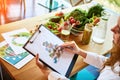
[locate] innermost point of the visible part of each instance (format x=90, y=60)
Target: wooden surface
x=30, y=71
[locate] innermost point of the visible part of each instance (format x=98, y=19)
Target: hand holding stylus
x=70, y=47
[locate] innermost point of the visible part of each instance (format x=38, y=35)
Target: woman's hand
x=70, y=47
x=42, y=67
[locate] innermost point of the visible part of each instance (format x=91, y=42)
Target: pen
x=69, y=47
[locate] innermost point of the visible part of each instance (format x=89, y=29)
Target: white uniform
x=97, y=61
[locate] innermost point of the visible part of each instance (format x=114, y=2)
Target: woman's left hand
x=42, y=67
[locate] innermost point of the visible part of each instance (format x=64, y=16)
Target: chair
x=51, y=4
x=1, y=75
x=88, y=73
x=75, y=3
x=4, y=7
x=24, y=4
x=3, y=4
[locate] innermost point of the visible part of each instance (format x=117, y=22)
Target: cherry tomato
x=72, y=21
x=59, y=29
x=49, y=26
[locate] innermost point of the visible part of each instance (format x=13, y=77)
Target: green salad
x=78, y=16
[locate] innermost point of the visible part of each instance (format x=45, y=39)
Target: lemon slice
x=65, y=32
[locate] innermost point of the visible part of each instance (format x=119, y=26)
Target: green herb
x=95, y=11
x=80, y=15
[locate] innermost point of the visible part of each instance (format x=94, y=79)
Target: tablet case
x=44, y=42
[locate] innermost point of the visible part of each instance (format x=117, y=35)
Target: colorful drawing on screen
x=55, y=52
x=8, y=55
x=20, y=38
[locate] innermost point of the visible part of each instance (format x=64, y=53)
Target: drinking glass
x=99, y=32
x=65, y=35
x=87, y=34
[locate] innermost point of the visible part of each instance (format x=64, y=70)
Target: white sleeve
x=56, y=76
x=95, y=59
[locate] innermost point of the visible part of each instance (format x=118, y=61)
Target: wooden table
x=30, y=71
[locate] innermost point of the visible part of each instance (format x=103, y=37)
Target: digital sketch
x=54, y=50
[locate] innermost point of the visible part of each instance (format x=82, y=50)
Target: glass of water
x=99, y=32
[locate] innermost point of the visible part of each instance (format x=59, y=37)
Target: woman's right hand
x=70, y=47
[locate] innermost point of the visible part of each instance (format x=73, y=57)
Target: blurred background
x=14, y=10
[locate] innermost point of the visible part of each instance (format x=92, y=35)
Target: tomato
x=59, y=29
x=70, y=18
x=72, y=21
x=49, y=26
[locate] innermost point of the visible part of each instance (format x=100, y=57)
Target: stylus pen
x=68, y=47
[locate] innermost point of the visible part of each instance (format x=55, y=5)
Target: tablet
x=45, y=43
